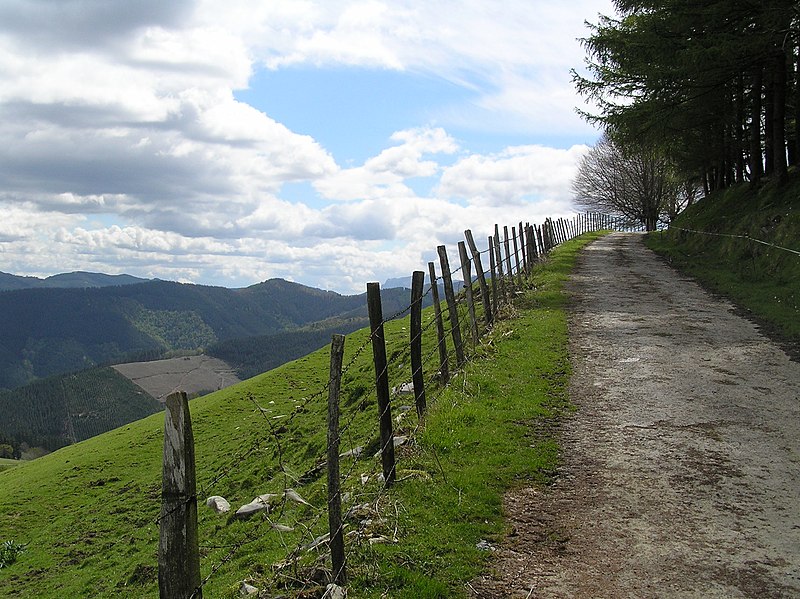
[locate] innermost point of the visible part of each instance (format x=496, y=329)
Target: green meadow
x=87, y=514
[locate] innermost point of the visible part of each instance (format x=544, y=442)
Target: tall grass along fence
x=312, y=542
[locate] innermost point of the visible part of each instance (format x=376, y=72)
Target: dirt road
x=681, y=465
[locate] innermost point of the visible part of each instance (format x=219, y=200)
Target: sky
x=328, y=142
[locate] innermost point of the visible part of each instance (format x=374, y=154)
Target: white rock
x=293, y=495
x=266, y=498
x=334, y=591
x=247, y=589
x=219, y=504
x=249, y=510
x=404, y=389
x=353, y=453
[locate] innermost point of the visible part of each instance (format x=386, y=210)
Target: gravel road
x=681, y=464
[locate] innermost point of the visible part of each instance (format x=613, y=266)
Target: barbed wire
x=434, y=392
x=734, y=236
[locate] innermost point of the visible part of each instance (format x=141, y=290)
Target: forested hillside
x=711, y=86
x=57, y=411
x=61, y=409
x=51, y=331
x=253, y=355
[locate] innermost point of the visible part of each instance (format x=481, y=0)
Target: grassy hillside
x=764, y=279
x=88, y=513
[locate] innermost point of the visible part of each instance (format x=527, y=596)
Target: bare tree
x=638, y=185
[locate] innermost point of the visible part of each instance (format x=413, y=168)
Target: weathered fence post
x=493, y=270
x=334, y=493
x=444, y=370
x=381, y=381
x=516, y=256
x=476, y=258
x=417, y=285
x=178, y=545
x=507, y=246
x=522, y=248
x=499, y=264
x=452, y=309
x=533, y=255
x=466, y=270
x=540, y=239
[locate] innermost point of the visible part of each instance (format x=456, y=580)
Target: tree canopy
x=639, y=185
x=712, y=84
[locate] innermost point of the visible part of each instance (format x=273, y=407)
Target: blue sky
x=330, y=143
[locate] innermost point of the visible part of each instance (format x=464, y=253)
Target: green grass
x=764, y=280
x=87, y=513
x=6, y=463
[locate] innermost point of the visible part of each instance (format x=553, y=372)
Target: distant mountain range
x=46, y=331
x=70, y=280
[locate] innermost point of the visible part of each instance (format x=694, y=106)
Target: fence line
x=734, y=236
x=509, y=273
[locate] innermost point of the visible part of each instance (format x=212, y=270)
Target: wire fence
x=736, y=236
x=283, y=457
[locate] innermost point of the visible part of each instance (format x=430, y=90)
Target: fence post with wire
x=512, y=259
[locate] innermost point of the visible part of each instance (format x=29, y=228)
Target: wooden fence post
x=334, y=493
x=381, y=381
x=466, y=270
x=533, y=255
x=516, y=256
x=444, y=370
x=499, y=264
x=452, y=309
x=493, y=271
x=507, y=246
x=476, y=258
x=523, y=250
x=417, y=285
x=540, y=240
x=178, y=545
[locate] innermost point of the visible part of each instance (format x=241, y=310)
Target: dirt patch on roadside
x=680, y=471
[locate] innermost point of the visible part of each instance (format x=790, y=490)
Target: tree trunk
x=739, y=125
x=756, y=157
x=796, y=158
x=779, y=116
x=769, y=120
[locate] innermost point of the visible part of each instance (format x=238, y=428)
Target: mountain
x=78, y=279
x=61, y=409
x=48, y=331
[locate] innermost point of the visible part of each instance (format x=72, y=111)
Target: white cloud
x=514, y=176
x=384, y=175
x=123, y=147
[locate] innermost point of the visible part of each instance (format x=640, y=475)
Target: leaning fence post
x=178, y=545
x=452, y=309
x=334, y=493
x=533, y=255
x=493, y=270
x=381, y=381
x=516, y=256
x=417, y=284
x=522, y=248
x=476, y=258
x=466, y=270
x=444, y=370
